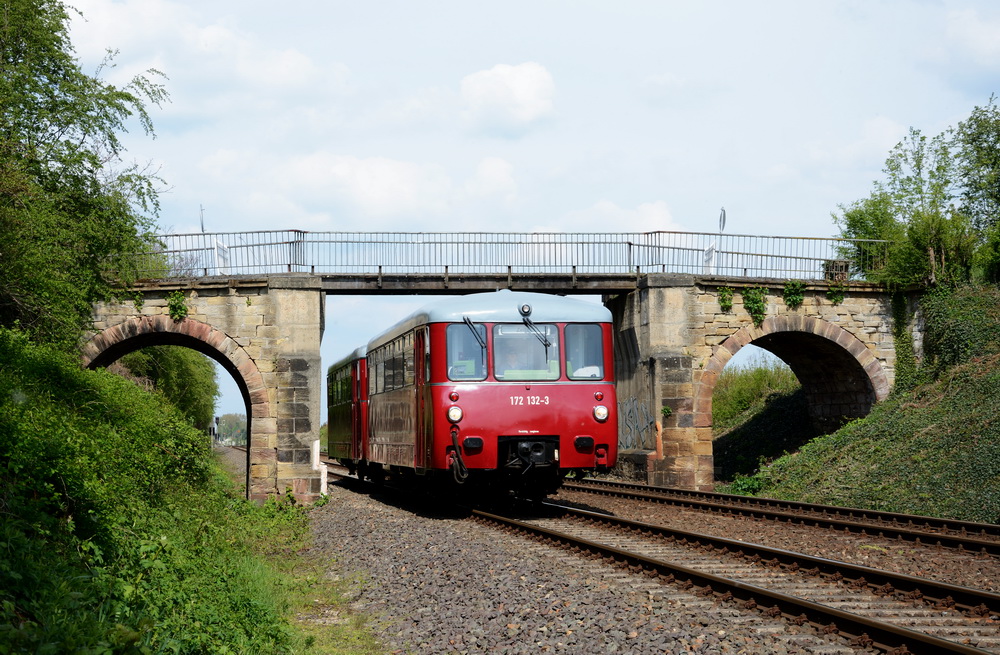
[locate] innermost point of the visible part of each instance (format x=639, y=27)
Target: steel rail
x=883, y=635
x=748, y=508
x=954, y=525
x=969, y=600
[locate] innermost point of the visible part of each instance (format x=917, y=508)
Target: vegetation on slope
x=186, y=377
x=118, y=532
x=934, y=449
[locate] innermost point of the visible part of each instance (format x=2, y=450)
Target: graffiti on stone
x=637, y=426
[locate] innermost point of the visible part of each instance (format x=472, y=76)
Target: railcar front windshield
x=522, y=352
x=584, y=352
x=466, y=355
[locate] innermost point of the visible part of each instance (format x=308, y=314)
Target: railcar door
x=359, y=413
x=421, y=422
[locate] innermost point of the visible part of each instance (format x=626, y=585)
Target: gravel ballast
x=434, y=584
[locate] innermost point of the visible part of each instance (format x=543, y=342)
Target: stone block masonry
x=674, y=339
x=267, y=334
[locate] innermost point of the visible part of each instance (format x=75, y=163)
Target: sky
x=547, y=115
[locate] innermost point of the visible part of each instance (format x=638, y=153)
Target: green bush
x=793, y=293
x=119, y=534
x=186, y=377
x=961, y=323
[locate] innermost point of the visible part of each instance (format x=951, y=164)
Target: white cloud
x=126, y=26
x=321, y=187
x=383, y=186
x=430, y=106
x=494, y=178
x=376, y=186
x=277, y=210
x=606, y=216
x=665, y=86
x=508, y=100
x=219, y=50
x=975, y=36
x=665, y=81
x=877, y=136
x=214, y=61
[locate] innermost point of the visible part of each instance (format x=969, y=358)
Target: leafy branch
x=793, y=293
x=726, y=299
x=754, y=300
x=176, y=306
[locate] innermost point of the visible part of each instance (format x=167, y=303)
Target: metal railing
x=500, y=253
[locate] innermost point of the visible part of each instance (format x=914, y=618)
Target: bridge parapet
x=444, y=254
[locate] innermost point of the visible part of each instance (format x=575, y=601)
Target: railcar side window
x=584, y=352
x=521, y=352
x=466, y=357
x=339, y=386
x=391, y=367
x=378, y=380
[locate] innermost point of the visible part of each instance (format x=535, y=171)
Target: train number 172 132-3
x=529, y=400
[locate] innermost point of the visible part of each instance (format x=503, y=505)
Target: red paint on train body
x=508, y=389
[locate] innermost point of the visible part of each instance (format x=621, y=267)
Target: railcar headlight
x=455, y=413
x=601, y=413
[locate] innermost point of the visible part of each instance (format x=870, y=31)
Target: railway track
x=869, y=608
x=872, y=608
x=962, y=535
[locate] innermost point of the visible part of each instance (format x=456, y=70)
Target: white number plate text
x=529, y=400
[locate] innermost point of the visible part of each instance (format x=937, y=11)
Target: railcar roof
x=498, y=307
x=356, y=354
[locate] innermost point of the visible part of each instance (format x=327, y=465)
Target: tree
x=931, y=240
x=186, y=377
x=232, y=429
x=869, y=220
x=978, y=142
x=69, y=204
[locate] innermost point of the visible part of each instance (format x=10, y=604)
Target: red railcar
x=347, y=409
x=509, y=390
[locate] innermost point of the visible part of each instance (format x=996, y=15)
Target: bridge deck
x=438, y=284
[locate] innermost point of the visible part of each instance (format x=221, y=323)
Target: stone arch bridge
x=673, y=339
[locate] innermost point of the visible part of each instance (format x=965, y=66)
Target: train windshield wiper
x=537, y=332
x=475, y=332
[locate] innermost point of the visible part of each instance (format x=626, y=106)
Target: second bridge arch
x=674, y=339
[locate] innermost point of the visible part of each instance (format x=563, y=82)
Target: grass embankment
x=933, y=448
x=759, y=413
x=935, y=451
x=119, y=532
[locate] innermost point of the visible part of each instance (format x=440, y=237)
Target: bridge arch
x=114, y=342
x=839, y=374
